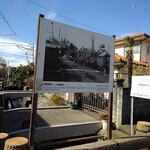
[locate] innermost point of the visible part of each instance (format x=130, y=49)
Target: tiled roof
x=119, y=58
x=133, y=36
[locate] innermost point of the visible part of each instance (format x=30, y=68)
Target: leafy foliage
x=29, y=82
x=139, y=69
x=57, y=100
x=129, y=42
x=19, y=74
x=103, y=116
x=3, y=71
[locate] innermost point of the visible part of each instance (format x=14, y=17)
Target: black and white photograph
x=70, y=55
x=65, y=61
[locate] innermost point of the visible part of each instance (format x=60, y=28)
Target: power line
x=27, y=45
x=14, y=55
x=68, y=18
x=10, y=28
x=21, y=47
x=4, y=28
x=7, y=45
x=18, y=45
x=6, y=34
x=7, y=23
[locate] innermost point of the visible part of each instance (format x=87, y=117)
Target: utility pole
x=27, y=58
x=33, y=54
x=137, y=13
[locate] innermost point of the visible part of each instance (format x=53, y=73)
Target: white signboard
x=71, y=59
x=140, y=87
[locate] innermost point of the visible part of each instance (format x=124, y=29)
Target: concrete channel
x=52, y=123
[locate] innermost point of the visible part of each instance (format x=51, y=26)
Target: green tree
x=3, y=62
x=19, y=74
x=3, y=71
x=129, y=42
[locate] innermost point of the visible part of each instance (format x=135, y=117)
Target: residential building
x=141, y=54
x=121, y=72
x=141, y=48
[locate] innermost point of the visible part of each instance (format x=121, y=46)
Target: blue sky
x=110, y=17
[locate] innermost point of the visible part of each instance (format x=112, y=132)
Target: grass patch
x=58, y=100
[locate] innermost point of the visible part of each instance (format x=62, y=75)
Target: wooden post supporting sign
x=34, y=97
x=109, y=133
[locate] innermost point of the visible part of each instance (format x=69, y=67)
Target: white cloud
x=51, y=15
x=14, y=55
x=14, y=62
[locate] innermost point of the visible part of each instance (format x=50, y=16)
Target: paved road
x=79, y=73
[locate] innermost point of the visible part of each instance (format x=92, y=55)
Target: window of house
x=148, y=49
x=135, y=48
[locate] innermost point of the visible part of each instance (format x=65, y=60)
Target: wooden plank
x=50, y=143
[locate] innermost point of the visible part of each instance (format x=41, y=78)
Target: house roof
x=137, y=38
x=119, y=58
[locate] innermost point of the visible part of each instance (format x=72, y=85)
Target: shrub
x=57, y=100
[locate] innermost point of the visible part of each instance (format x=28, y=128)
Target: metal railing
x=94, y=102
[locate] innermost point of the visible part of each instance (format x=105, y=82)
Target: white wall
x=120, y=51
x=136, y=57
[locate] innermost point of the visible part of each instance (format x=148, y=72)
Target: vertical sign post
x=131, y=117
x=109, y=133
x=34, y=97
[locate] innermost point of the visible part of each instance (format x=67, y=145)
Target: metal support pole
x=109, y=133
x=131, y=117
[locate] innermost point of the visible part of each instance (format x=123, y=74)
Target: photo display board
x=71, y=59
x=140, y=87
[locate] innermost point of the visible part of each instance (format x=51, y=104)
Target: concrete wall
x=16, y=120
x=122, y=104
x=126, y=143
x=61, y=131
x=117, y=106
x=141, y=108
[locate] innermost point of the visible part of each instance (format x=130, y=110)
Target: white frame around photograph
x=84, y=61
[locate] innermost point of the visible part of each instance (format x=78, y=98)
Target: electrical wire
x=14, y=33
x=68, y=18
x=6, y=34
x=7, y=23
x=14, y=55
